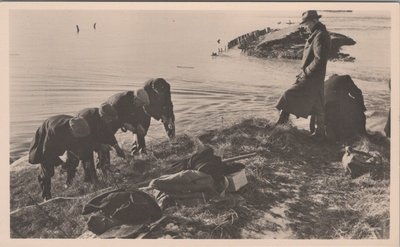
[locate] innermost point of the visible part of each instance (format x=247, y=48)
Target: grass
x=296, y=190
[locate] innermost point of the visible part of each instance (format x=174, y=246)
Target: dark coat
x=301, y=97
x=337, y=87
x=52, y=139
x=100, y=132
x=123, y=103
x=344, y=108
x=159, y=92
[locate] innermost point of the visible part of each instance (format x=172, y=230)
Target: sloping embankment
x=296, y=190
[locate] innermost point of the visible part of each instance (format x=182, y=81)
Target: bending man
x=56, y=135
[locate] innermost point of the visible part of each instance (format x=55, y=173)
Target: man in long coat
x=125, y=105
x=99, y=121
x=344, y=108
x=160, y=107
x=135, y=109
x=306, y=96
x=56, y=135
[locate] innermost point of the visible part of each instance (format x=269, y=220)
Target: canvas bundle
x=121, y=207
x=357, y=163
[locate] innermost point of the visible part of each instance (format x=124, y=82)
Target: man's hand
x=300, y=77
x=129, y=127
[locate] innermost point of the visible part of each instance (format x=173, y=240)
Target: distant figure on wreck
x=77, y=28
x=306, y=96
x=218, y=41
x=94, y=26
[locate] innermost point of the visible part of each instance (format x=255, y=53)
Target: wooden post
x=240, y=157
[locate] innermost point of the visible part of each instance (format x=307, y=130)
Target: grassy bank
x=296, y=190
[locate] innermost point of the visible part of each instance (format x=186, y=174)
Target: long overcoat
x=300, y=99
x=159, y=92
x=344, y=108
x=100, y=132
x=52, y=139
x=124, y=104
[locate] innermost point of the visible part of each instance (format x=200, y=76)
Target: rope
x=48, y=216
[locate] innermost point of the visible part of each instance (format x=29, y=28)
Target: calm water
x=54, y=70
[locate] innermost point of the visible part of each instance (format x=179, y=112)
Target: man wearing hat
x=99, y=121
x=159, y=107
x=124, y=104
x=306, y=96
x=56, y=135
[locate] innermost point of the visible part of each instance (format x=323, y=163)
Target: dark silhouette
x=306, y=96
x=218, y=41
x=77, y=28
x=94, y=25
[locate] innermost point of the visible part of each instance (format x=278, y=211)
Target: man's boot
x=45, y=185
x=70, y=175
x=103, y=155
x=319, y=134
x=89, y=171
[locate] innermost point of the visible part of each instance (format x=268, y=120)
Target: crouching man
x=101, y=134
x=160, y=107
x=124, y=104
x=56, y=135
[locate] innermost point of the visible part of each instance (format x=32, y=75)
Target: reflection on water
x=55, y=70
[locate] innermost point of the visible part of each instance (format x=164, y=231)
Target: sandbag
x=184, y=182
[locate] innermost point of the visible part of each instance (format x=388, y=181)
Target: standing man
x=306, y=96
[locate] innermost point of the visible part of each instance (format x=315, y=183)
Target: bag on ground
x=121, y=206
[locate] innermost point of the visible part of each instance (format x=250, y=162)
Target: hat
x=309, y=15
x=108, y=111
x=160, y=86
x=79, y=127
x=142, y=95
